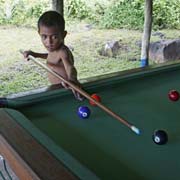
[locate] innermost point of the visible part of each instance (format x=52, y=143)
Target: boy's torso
x=54, y=61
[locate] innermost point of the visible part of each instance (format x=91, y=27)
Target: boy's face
x=51, y=37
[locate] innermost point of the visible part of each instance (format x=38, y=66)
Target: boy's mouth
x=50, y=48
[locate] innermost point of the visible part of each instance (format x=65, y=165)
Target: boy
x=51, y=28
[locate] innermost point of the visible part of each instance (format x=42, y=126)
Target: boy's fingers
x=25, y=55
x=78, y=96
x=64, y=85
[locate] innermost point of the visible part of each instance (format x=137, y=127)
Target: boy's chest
x=53, y=59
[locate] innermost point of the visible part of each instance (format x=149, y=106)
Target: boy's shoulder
x=64, y=49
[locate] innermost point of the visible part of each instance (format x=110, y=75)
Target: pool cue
x=85, y=94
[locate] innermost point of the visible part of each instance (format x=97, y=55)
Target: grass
x=18, y=75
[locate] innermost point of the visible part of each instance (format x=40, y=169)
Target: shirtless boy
x=51, y=28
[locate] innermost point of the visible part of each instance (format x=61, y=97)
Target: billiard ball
x=84, y=112
x=160, y=137
x=173, y=95
x=96, y=97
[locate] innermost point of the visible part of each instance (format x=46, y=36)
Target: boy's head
x=52, y=19
x=51, y=27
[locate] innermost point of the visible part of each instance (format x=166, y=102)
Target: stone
x=164, y=50
x=110, y=49
x=159, y=34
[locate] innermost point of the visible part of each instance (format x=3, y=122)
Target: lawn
x=18, y=75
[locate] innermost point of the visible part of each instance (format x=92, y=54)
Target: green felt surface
x=104, y=145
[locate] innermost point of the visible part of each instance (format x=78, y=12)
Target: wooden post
x=58, y=5
x=146, y=33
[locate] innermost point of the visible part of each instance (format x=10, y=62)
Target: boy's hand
x=64, y=85
x=76, y=94
x=27, y=53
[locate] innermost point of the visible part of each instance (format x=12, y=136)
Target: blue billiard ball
x=84, y=112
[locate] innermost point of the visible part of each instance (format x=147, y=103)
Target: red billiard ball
x=96, y=97
x=173, y=95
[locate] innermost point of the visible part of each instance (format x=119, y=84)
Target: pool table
x=43, y=128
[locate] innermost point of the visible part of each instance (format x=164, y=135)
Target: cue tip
x=136, y=130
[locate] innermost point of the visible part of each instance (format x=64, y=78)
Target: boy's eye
x=54, y=37
x=43, y=37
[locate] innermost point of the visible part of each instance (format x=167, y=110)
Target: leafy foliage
x=77, y=9
x=106, y=13
x=166, y=14
x=124, y=14
x=20, y=12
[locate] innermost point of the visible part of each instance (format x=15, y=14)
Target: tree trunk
x=58, y=5
x=146, y=33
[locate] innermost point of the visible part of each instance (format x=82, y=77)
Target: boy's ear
x=65, y=33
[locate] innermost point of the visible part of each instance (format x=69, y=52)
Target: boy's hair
x=52, y=18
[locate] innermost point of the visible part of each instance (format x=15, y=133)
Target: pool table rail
x=33, y=160
x=38, y=95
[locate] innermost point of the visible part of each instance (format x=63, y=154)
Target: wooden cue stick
x=85, y=94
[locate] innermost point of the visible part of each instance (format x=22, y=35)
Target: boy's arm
x=35, y=54
x=71, y=71
x=40, y=55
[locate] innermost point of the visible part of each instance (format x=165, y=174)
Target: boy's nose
x=49, y=40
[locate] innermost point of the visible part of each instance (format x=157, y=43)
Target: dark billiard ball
x=160, y=137
x=84, y=112
x=96, y=97
x=173, y=95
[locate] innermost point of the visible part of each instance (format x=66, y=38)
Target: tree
x=58, y=5
x=146, y=33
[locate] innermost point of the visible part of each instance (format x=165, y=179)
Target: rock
x=110, y=49
x=161, y=35
x=164, y=50
x=88, y=27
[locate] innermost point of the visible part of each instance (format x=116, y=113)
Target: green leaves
x=106, y=13
x=166, y=14
x=77, y=9
x=21, y=12
x=130, y=14
x=124, y=14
